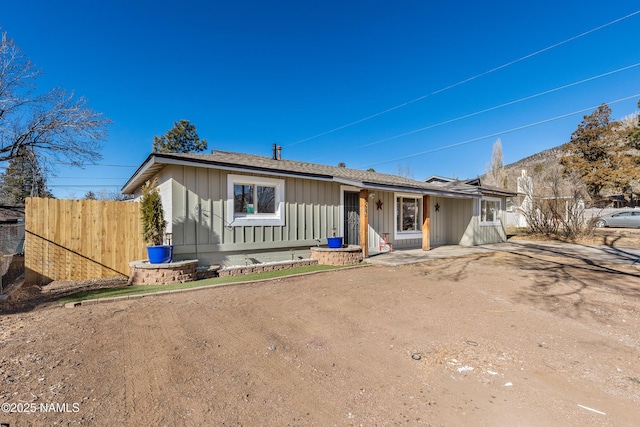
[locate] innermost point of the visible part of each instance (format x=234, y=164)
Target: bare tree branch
x=52, y=124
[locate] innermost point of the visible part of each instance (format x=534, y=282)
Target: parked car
x=619, y=219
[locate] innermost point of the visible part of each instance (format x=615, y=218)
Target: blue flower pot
x=160, y=254
x=334, y=242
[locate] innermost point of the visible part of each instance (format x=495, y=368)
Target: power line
x=94, y=164
x=404, y=104
x=90, y=178
x=83, y=185
x=506, y=104
x=468, y=141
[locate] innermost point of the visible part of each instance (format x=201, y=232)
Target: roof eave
x=498, y=192
x=136, y=179
x=157, y=161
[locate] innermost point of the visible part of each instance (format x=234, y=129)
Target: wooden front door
x=351, y=218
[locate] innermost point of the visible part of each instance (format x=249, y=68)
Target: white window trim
x=240, y=219
x=406, y=235
x=500, y=209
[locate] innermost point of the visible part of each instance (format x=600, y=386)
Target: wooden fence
x=80, y=239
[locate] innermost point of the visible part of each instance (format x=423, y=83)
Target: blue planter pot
x=160, y=254
x=334, y=242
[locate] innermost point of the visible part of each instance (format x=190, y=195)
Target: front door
x=352, y=217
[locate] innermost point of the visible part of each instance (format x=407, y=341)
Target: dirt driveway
x=489, y=339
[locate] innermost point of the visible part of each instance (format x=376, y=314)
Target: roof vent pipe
x=279, y=151
x=275, y=153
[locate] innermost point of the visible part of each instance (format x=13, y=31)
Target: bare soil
x=625, y=237
x=483, y=340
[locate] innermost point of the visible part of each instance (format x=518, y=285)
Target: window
x=408, y=217
x=623, y=214
x=489, y=210
x=255, y=200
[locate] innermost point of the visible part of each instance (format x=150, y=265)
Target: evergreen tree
x=598, y=154
x=182, y=138
x=152, y=214
x=23, y=178
x=90, y=195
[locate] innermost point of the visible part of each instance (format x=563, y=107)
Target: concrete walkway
x=589, y=254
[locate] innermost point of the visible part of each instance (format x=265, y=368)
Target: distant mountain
x=533, y=164
x=540, y=164
x=544, y=161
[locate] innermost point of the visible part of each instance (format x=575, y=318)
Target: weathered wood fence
x=80, y=239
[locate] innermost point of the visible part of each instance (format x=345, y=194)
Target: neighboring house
x=231, y=208
x=11, y=229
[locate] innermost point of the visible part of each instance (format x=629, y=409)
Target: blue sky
x=250, y=73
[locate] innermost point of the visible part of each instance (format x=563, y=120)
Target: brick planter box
x=337, y=256
x=261, y=268
x=144, y=273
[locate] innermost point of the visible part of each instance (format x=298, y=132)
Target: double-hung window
x=255, y=200
x=408, y=216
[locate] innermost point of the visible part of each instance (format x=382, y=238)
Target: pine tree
x=600, y=155
x=182, y=138
x=23, y=178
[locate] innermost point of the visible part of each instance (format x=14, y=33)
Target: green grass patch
x=145, y=289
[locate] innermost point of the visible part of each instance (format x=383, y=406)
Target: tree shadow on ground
x=572, y=285
x=31, y=297
x=454, y=269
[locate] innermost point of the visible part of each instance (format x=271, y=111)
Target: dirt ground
x=626, y=237
x=485, y=340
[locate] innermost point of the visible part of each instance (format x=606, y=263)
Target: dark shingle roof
x=11, y=213
x=464, y=186
x=268, y=165
x=303, y=168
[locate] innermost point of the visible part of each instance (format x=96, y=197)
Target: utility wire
x=94, y=164
x=468, y=141
x=92, y=177
x=506, y=104
x=69, y=187
x=404, y=104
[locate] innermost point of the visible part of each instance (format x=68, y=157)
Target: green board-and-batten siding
x=457, y=222
x=199, y=223
x=197, y=210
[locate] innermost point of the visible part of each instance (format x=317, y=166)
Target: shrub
x=152, y=215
